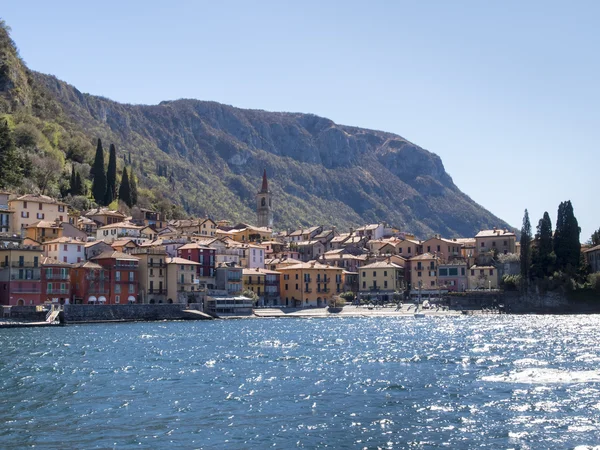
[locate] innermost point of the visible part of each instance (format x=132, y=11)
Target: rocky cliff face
x=321, y=172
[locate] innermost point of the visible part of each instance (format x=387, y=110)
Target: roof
x=45, y=224
x=104, y=212
x=310, y=265
x=88, y=265
x=192, y=246
x=122, y=225
x=122, y=242
x=425, y=256
x=593, y=249
x=37, y=198
x=182, y=261
x=475, y=267
x=48, y=261
x=449, y=241
x=92, y=243
x=323, y=234
x=372, y=226
x=65, y=240
x=381, y=265
x=305, y=243
x=115, y=255
x=289, y=261
x=494, y=233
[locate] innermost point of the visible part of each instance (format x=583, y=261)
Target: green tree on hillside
x=125, y=189
x=72, y=181
x=525, y=246
x=542, y=256
x=97, y=171
x=566, y=239
x=10, y=163
x=133, y=187
x=79, y=186
x=595, y=239
x=111, y=176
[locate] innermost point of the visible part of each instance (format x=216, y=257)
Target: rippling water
x=487, y=382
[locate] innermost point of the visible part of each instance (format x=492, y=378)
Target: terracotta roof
x=48, y=261
x=121, y=242
x=65, y=240
x=494, y=233
x=593, y=249
x=289, y=261
x=88, y=265
x=115, y=255
x=310, y=265
x=37, y=199
x=182, y=261
x=193, y=245
x=423, y=256
x=381, y=265
x=122, y=225
x=45, y=224
x=104, y=212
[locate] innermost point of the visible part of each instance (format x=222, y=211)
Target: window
x=409, y=250
x=118, y=276
x=432, y=283
x=131, y=276
x=472, y=273
x=432, y=273
x=79, y=248
x=49, y=288
x=24, y=204
x=385, y=274
x=418, y=274
x=428, y=248
x=364, y=274
x=480, y=271
x=40, y=215
x=493, y=243
x=491, y=271
x=483, y=244
x=117, y=299
x=462, y=271
x=296, y=286
x=505, y=243
x=453, y=272
x=364, y=284
x=132, y=288
x=385, y=284
x=286, y=287
x=374, y=274
x=117, y=288
x=40, y=206
x=24, y=214
x=443, y=272
x=64, y=259
x=400, y=250
x=438, y=248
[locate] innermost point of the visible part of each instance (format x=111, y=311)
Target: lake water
x=461, y=382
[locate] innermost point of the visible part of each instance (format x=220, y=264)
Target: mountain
x=211, y=157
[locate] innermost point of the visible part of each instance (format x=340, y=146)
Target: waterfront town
x=50, y=254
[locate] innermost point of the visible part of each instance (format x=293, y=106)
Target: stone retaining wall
x=105, y=313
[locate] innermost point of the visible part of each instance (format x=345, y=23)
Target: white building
x=65, y=250
x=109, y=233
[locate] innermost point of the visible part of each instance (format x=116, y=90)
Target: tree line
x=104, y=181
x=548, y=252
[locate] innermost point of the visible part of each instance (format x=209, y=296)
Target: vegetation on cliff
x=190, y=157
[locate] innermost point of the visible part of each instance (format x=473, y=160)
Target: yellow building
x=423, y=275
x=246, y=233
x=483, y=277
x=182, y=282
x=152, y=274
x=42, y=231
x=253, y=280
x=445, y=249
x=496, y=240
x=409, y=248
x=31, y=208
x=310, y=284
x=381, y=279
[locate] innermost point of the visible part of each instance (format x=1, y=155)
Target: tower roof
x=265, y=183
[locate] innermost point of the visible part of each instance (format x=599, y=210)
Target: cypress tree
x=99, y=183
x=566, y=239
x=111, y=175
x=595, y=239
x=10, y=163
x=79, y=188
x=543, y=237
x=72, y=181
x=525, y=246
x=133, y=187
x=129, y=158
x=125, y=189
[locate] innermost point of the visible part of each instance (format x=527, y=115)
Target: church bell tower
x=264, y=210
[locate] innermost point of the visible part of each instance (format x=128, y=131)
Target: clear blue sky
x=507, y=93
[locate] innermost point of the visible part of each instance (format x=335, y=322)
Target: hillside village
x=50, y=253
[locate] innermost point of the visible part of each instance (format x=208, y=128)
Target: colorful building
x=20, y=275
x=66, y=250
x=381, y=280
x=123, y=272
x=310, y=284
x=90, y=283
x=497, y=240
x=182, y=282
x=55, y=281
x=31, y=208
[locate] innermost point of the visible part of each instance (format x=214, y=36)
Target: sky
x=506, y=93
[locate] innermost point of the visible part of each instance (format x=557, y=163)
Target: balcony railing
x=157, y=264
x=96, y=277
x=57, y=276
x=307, y=279
x=234, y=279
x=57, y=291
x=308, y=290
x=27, y=290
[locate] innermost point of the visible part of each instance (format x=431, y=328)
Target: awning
x=92, y=299
x=102, y=299
x=131, y=298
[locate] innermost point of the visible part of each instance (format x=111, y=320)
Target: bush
x=511, y=282
x=348, y=296
x=336, y=301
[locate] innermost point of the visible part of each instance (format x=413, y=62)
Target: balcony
x=57, y=276
x=307, y=279
x=58, y=291
x=20, y=265
x=27, y=290
x=308, y=290
x=93, y=277
x=157, y=291
x=161, y=265
x=234, y=279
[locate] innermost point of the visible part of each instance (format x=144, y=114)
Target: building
x=496, y=240
x=372, y=231
x=112, y=232
x=42, y=230
x=20, y=275
x=206, y=259
x=254, y=280
x=423, y=274
x=105, y=216
x=482, y=277
x=309, y=250
x=310, y=284
x=31, y=208
x=592, y=256
x=452, y=277
x=381, y=280
x=445, y=249
x=229, y=278
x=123, y=270
x=152, y=274
x=182, y=283
x=94, y=248
x=90, y=283
x=65, y=250
x=264, y=208
x=6, y=213
x=55, y=281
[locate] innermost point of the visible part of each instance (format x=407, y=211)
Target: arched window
x=263, y=202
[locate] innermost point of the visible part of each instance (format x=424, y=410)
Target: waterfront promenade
x=353, y=311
